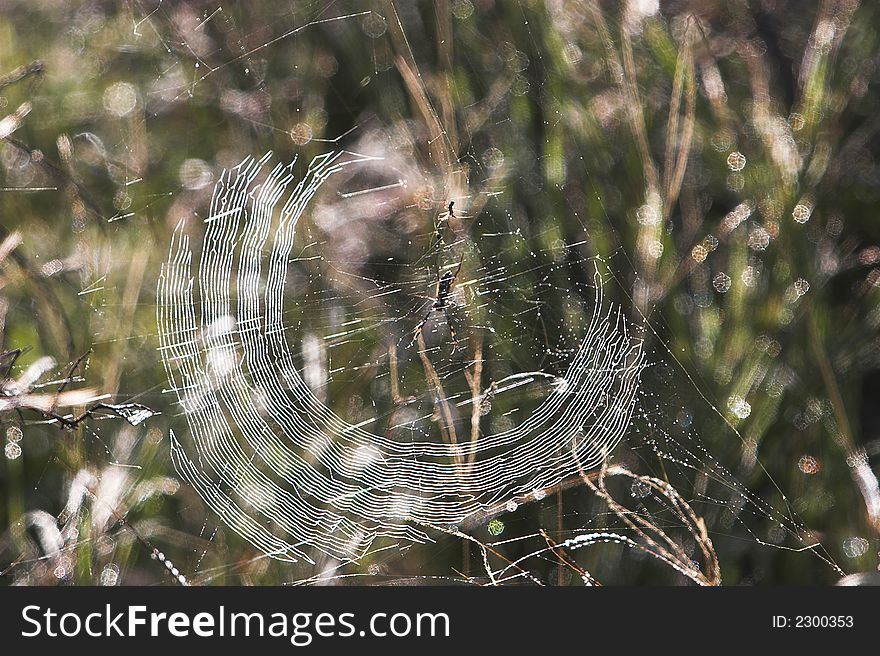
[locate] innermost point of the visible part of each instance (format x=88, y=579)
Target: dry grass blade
x=9, y=243
x=625, y=74
x=678, y=145
x=444, y=410
x=47, y=403
x=12, y=122
x=655, y=540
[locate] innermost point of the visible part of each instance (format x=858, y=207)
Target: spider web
x=282, y=468
x=336, y=399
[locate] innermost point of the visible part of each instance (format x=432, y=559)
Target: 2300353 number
x=823, y=621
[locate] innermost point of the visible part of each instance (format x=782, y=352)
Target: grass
x=720, y=158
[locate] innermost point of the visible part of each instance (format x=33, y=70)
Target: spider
x=441, y=301
x=450, y=214
x=444, y=218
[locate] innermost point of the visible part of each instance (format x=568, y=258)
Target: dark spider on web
x=443, y=218
x=441, y=302
x=450, y=214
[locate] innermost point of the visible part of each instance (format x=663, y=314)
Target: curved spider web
x=280, y=467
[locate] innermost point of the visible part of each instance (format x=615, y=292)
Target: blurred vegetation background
x=720, y=155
